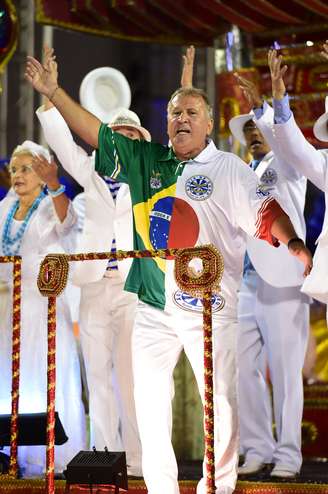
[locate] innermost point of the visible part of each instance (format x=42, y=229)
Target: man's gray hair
x=192, y=91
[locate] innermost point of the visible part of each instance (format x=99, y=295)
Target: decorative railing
x=52, y=280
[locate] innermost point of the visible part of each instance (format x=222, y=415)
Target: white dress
x=44, y=234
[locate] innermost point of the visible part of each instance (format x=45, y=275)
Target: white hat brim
x=236, y=125
x=320, y=128
x=103, y=90
x=144, y=132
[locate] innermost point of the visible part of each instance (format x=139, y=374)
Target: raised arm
x=188, y=67
x=290, y=144
x=263, y=117
x=250, y=91
x=44, y=79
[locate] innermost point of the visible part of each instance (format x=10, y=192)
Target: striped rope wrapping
x=17, y=282
x=52, y=280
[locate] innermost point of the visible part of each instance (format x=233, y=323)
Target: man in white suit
x=273, y=316
x=106, y=311
x=288, y=141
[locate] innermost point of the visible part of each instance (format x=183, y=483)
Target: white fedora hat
x=320, y=127
x=103, y=90
x=236, y=125
x=122, y=117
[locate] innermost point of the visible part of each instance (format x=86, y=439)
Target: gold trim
x=14, y=19
x=305, y=28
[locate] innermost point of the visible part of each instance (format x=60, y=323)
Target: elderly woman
x=36, y=220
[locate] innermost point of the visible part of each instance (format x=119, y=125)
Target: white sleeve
x=59, y=138
x=50, y=228
x=267, y=127
x=79, y=207
x=290, y=146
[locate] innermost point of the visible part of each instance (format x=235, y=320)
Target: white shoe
x=283, y=472
x=250, y=466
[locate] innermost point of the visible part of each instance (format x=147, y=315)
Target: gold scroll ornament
x=208, y=279
x=53, y=275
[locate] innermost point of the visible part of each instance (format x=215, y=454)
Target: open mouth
x=183, y=131
x=256, y=142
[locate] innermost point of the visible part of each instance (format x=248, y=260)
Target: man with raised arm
x=182, y=196
x=273, y=316
x=288, y=141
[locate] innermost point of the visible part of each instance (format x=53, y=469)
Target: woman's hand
x=47, y=172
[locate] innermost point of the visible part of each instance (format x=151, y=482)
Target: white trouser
x=107, y=315
x=276, y=319
x=158, y=339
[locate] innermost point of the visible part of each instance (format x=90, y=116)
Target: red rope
x=17, y=281
x=51, y=395
x=52, y=280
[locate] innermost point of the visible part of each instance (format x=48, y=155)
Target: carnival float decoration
x=52, y=280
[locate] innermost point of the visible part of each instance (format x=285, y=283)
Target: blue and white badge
x=269, y=177
x=194, y=304
x=155, y=181
x=263, y=190
x=199, y=187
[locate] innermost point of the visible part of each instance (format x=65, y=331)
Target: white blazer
x=289, y=142
x=276, y=265
x=104, y=218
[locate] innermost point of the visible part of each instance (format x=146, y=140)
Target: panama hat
x=103, y=90
x=236, y=126
x=320, y=127
x=122, y=117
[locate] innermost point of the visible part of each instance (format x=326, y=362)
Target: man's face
x=130, y=132
x=255, y=142
x=188, y=125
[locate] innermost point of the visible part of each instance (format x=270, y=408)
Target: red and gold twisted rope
x=52, y=281
x=51, y=395
x=17, y=282
x=208, y=393
x=202, y=285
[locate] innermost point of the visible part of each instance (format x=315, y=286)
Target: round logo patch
x=269, y=177
x=173, y=223
x=199, y=187
x=195, y=304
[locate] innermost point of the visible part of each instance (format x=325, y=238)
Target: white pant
x=158, y=339
x=276, y=319
x=107, y=315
